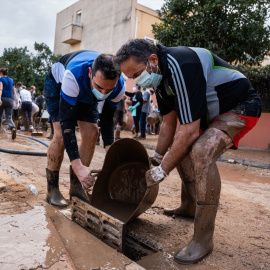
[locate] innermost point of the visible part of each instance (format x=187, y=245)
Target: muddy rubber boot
x=76, y=188
x=13, y=133
x=54, y=196
x=188, y=201
x=117, y=135
x=202, y=242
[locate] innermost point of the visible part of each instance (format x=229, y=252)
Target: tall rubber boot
x=117, y=135
x=188, y=201
x=76, y=188
x=54, y=196
x=202, y=242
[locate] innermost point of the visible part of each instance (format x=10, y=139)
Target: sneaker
x=22, y=128
x=13, y=133
x=135, y=136
x=31, y=128
x=141, y=138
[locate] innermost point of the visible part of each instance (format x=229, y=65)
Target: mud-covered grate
x=110, y=230
x=102, y=225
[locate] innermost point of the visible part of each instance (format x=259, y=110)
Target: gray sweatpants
x=7, y=106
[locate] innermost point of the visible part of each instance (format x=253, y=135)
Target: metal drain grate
x=110, y=230
x=107, y=228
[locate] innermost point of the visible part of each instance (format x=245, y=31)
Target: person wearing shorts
x=72, y=89
x=207, y=107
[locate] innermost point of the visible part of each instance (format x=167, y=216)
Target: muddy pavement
x=242, y=232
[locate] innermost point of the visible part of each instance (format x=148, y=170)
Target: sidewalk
x=253, y=157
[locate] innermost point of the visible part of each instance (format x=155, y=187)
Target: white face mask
x=145, y=79
x=99, y=95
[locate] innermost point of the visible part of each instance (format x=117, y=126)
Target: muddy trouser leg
x=23, y=112
x=204, y=154
x=188, y=190
x=29, y=112
x=1, y=114
x=54, y=196
x=8, y=105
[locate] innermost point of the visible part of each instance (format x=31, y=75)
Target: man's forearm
x=184, y=138
x=166, y=133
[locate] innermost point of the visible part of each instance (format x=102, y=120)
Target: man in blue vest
x=73, y=87
x=215, y=105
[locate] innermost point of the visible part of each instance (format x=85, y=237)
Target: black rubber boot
x=13, y=133
x=54, y=196
x=202, y=242
x=76, y=188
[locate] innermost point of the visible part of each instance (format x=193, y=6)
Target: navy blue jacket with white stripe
x=198, y=84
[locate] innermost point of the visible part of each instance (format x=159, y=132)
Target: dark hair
x=139, y=48
x=107, y=65
x=18, y=84
x=4, y=71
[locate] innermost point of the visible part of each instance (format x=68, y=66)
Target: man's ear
x=90, y=73
x=153, y=59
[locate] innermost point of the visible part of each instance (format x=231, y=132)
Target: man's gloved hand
x=1, y=102
x=156, y=159
x=154, y=176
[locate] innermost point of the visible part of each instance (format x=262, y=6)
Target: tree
x=235, y=30
x=26, y=67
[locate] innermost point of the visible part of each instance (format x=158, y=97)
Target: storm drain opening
x=110, y=230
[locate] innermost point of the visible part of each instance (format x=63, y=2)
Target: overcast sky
x=25, y=22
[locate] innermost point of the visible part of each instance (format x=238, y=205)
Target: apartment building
x=102, y=25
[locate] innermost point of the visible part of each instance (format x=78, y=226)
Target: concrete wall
x=106, y=25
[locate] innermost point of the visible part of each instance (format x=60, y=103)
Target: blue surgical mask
x=99, y=95
x=145, y=79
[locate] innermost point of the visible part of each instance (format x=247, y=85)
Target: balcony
x=71, y=33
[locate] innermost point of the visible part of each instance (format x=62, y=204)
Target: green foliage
x=26, y=67
x=260, y=80
x=235, y=30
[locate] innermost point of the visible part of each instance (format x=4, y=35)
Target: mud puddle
x=29, y=240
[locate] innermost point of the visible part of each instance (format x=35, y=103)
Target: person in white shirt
x=26, y=108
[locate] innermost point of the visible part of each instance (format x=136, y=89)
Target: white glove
x=1, y=102
x=154, y=176
x=156, y=159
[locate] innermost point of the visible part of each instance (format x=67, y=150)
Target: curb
x=244, y=162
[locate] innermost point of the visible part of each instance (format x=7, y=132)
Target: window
x=79, y=18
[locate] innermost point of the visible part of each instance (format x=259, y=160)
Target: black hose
x=16, y=152
x=23, y=152
x=34, y=139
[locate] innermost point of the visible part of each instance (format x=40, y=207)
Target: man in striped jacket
x=207, y=107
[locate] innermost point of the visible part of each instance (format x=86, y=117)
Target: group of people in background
x=17, y=102
x=141, y=105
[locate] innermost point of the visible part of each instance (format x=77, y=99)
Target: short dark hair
x=139, y=48
x=18, y=84
x=4, y=71
x=107, y=65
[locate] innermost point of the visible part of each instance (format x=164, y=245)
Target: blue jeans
x=143, y=123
